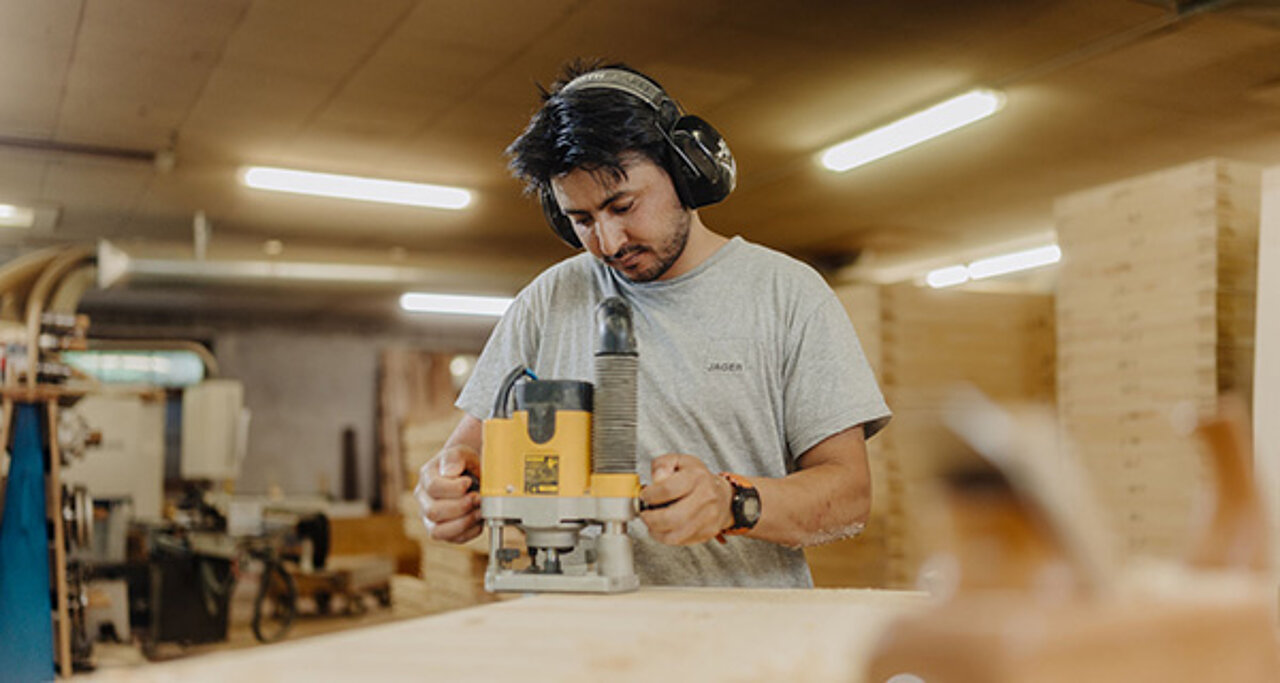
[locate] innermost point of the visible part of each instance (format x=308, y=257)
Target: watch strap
x=738, y=483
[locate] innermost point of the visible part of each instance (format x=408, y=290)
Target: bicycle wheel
x=276, y=604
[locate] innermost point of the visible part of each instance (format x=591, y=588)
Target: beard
x=663, y=255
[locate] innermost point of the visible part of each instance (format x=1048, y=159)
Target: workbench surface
x=654, y=635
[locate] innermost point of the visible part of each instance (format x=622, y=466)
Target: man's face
x=635, y=224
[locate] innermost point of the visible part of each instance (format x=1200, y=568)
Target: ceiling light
x=420, y=302
x=16, y=216
x=1012, y=263
x=993, y=266
x=921, y=126
x=355, y=187
x=947, y=277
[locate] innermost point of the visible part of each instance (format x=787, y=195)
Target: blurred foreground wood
x=1026, y=609
x=999, y=639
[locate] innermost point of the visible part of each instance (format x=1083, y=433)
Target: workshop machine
x=561, y=467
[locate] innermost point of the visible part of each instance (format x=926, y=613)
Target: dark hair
x=589, y=129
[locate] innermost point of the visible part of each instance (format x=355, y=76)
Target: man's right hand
x=450, y=509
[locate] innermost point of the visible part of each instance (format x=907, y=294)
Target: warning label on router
x=541, y=474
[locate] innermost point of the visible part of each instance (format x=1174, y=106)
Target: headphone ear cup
x=711, y=170
x=557, y=220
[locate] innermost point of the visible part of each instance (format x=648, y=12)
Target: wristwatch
x=745, y=505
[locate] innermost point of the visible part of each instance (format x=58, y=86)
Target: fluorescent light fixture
x=421, y=302
x=16, y=216
x=355, y=187
x=947, y=277
x=165, y=368
x=906, y=132
x=1012, y=263
x=996, y=265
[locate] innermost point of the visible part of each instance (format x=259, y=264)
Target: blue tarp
x=26, y=621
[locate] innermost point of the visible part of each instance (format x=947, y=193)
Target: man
x=754, y=395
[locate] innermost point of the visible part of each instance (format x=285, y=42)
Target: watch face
x=751, y=509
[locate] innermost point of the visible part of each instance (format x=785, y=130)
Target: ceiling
x=433, y=91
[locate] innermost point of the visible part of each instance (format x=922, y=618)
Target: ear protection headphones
x=700, y=163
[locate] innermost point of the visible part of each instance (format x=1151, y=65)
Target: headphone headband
x=624, y=81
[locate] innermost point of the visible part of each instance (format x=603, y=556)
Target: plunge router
x=563, y=462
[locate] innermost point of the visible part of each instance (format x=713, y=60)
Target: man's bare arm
x=826, y=499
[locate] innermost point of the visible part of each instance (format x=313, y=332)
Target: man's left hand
x=691, y=501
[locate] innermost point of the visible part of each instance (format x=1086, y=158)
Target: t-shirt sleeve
x=513, y=342
x=829, y=384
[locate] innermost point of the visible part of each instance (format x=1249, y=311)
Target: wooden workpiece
x=652, y=635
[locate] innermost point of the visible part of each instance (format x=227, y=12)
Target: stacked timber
x=420, y=440
x=922, y=343
x=1155, y=318
x=414, y=387
x=453, y=575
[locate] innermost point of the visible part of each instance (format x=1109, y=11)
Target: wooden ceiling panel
x=20, y=174
x=138, y=67
x=313, y=39
x=194, y=30
x=96, y=197
x=101, y=185
x=403, y=87
x=250, y=114
x=599, y=31
x=422, y=73
x=1220, y=57
x=471, y=138
x=306, y=83
x=38, y=37
x=490, y=25
x=104, y=108
x=1170, y=56
x=175, y=197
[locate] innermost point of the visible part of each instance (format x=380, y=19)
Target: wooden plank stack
x=922, y=342
x=453, y=574
x=414, y=386
x=382, y=535
x=1155, y=319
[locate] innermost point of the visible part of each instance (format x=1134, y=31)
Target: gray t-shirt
x=746, y=362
